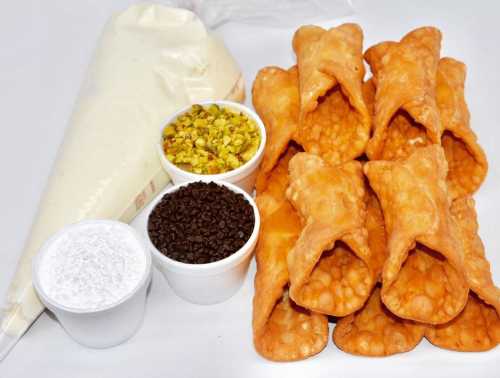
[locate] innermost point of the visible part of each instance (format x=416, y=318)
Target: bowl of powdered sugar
x=93, y=276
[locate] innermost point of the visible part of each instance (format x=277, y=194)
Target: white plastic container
x=108, y=326
x=213, y=282
x=243, y=176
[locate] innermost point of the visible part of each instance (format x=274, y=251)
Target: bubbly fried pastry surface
x=406, y=114
x=275, y=96
x=292, y=332
x=334, y=120
x=277, y=182
x=466, y=159
x=375, y=331
x=423, y=277
x=477, y=267
x=426, y=287
x=476, y=329
x=282, y=331
x=364, y=193
x=330, y=265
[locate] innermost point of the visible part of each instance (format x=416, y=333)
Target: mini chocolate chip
x=201, y=223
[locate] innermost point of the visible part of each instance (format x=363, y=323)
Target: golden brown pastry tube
x=330, y=265
x=369, y=96
x=423, y=277
x=275, y=96
x=466, y=159
x=276, y=184
x=477, y=267
x=282, y=331
x=375, y=331
x=406, y=115
x=377, y=236
x=477, y=328
x=334, y=121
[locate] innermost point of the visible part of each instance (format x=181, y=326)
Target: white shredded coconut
x=92, y=266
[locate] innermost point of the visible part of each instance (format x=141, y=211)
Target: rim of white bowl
x=215, y=264
x=45, y=247
x=218, y=176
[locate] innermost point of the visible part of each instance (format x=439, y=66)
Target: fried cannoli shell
x=330, y=265
x=277, y=183
x=377, y=236
x=375, y=331
x=475, y=329
x=423, y=276
x=477, y=267
x=282, y=331
x=466, y=159
x=406, y=114
x=369, y=91
x=275, y=96
x=334, y=120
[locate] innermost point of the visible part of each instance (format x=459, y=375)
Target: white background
x=45, y=47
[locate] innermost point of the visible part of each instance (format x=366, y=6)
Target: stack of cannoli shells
x=365, y=191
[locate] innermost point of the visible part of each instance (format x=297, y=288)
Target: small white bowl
x=213, y=282
x=243, y=176
x=108, y=326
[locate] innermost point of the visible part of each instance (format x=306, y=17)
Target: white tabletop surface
x=45, y=48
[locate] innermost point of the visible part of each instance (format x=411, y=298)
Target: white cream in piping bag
x=150, y=61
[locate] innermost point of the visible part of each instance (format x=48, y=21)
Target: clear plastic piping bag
x=269, y=13
x=150, y=61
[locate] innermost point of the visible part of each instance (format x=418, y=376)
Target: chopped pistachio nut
x=211, y=140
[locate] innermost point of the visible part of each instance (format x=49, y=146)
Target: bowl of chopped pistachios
x=213, y=141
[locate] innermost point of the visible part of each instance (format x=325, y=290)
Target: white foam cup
x=107, y=326
x=212, y=282
x=243, y=176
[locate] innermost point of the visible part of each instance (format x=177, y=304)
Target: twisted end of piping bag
x=17, y=318
x=6, y=344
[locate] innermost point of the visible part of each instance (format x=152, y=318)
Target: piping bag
x=150, y=61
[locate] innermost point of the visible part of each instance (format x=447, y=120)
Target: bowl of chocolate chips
x=202, y=236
